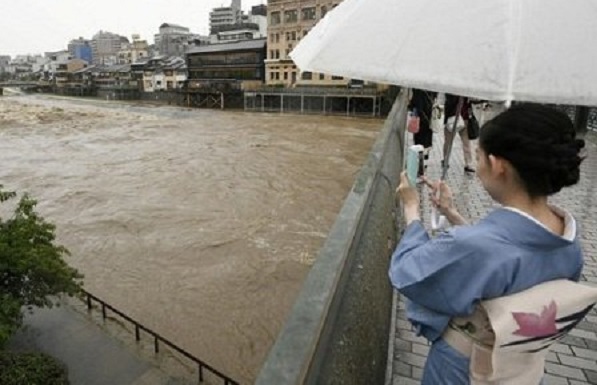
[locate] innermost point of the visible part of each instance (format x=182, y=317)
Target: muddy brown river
x=201, y=224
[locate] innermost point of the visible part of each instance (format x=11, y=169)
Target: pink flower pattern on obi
x=537, y=325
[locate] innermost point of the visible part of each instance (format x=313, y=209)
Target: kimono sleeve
x=447, y=274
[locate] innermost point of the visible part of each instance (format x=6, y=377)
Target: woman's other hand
x=440, y=195
x=410, y=199
x=442, y=198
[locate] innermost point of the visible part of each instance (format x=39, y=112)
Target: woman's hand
x=440, y=195
x=410, y=199
x=442, y=198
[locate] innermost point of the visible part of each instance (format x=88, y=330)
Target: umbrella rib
x=515, y=36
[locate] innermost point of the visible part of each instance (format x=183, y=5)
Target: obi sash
x=508, y=338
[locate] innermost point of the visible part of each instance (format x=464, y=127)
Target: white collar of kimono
x=569, y=221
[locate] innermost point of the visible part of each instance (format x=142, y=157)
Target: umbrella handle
x=451, y=141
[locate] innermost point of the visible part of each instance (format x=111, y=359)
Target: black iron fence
x=157, y=339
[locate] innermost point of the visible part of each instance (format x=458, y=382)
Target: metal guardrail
x=337, y=90
x=157, y=339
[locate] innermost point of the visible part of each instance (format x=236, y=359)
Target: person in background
x=525, y=155
x=450, y=111
x=422, y=101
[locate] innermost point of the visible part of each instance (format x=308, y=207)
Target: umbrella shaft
x=452, y=137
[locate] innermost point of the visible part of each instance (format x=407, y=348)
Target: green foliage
x=31, y=369
x=32, y=268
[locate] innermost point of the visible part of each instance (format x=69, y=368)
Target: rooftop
x=235, y=46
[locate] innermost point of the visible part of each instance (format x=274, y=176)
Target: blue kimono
x=504, y=253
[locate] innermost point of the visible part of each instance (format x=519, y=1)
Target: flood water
x=201, y=224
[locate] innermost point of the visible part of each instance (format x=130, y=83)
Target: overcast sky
x=37, y=26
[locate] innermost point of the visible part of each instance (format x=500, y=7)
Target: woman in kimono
x=525, y=154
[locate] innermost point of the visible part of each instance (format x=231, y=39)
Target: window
x=307, y=76
x=275, y=18
x=287, y=36
x=277, y=76
x=308, y=13
x=271, y=76
x=291, y=16
x=337, y=78
x=324, y=10
x=285, y=75
x=321, y=76
x=293, y=36
x=277, y=38
x=293, y=76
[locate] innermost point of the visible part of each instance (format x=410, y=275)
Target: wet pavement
x=573, y=361
x=91, y=355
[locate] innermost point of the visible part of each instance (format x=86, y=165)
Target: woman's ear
x=497, y=164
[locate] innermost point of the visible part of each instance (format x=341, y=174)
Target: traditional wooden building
x=239, y=64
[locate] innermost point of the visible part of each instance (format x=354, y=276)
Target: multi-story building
x=224, y=16
x=288, y=22
x=236, y=32
x=80, y=49
x=239, y=64
x=160, y=73
x=105, y=47
x=259, y=10
x=173, y=40
x=52, y=61
x=134, y=51
x=4, y=63
x=66, y=69
x=252, y=26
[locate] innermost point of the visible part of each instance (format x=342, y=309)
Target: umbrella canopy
x=531, y=50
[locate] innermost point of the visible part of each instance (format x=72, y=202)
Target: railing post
x=89, y=300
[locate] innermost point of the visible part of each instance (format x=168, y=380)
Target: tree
x=32, y=268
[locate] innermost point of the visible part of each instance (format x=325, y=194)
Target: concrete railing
x=337, y=331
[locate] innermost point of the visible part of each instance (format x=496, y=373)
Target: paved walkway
x=574, y=360
x=91, y=354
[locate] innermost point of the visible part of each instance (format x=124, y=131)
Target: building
x=238, y=64
x=4, y=64
x=105, y=47
x=113, y=77
x=224, y=16
x=50, y=65
x=130, y=53
x=174, y=40
x=160, y=73
x=235, y=32
x=62, y=76
x=259, y=10
x=81, y=49
x=228, y=24
x=258, y=15
x=288, y=22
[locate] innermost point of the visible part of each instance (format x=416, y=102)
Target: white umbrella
x=531, y=50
